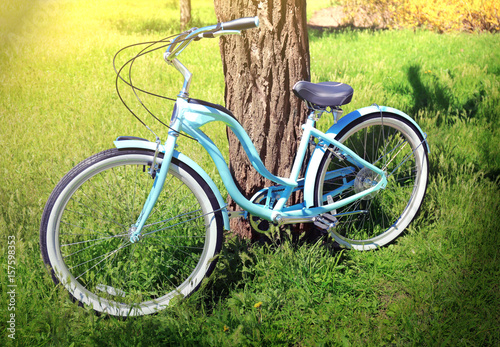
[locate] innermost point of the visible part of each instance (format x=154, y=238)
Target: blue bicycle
x=130, y=228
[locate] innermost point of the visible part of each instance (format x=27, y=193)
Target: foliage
x=442, y=16
x=437, y=285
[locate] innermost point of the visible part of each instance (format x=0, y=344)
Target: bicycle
x=130, y=228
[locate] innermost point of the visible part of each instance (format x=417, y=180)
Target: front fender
x=144, y=144
x=317, y=155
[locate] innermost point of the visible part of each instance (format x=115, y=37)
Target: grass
x=438, y=285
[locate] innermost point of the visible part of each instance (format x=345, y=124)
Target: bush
x=439, y=15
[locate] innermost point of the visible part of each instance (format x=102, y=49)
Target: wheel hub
x=366, y=179
x=132, y=234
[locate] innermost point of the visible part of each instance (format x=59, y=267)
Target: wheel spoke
x=390, y=143
x=89, y=217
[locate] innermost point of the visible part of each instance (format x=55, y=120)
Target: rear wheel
x=88, y=219
x=393, y=144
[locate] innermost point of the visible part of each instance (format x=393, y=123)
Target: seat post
x=315, y=111
x=337, y=113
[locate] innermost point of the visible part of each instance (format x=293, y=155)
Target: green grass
x=437, y=285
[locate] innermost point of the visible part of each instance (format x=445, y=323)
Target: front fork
x=159, y=181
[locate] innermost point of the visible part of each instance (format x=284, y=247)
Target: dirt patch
x=335, y=17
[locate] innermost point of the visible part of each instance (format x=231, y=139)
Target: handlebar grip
x=241, y=23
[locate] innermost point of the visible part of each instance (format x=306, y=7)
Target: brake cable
x=134, y=88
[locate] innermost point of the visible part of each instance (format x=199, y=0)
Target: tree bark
x=185, y=6
x=260, y=69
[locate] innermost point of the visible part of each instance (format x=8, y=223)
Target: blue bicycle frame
x=190, y=114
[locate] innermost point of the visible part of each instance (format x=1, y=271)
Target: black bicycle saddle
x=324, y=94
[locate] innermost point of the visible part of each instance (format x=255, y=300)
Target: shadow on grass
x=238, y=257
x=436, y=97
x=430, y=95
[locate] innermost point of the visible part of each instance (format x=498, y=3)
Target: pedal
x=319, y=224
x=327, y=217
x=330, y=216
x=327, y=221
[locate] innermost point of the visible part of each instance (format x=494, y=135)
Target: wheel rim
x=388, y=211
x=93, y=256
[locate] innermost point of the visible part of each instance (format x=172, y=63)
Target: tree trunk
x=260, y=69
x=185, y=6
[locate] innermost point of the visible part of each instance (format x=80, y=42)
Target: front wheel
x=89, y=217
x=393, y=144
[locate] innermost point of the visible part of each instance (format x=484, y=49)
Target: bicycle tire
x=85, y=233
x=382, y=140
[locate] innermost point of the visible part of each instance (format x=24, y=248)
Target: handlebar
x=241, y=24
x=226, y=28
